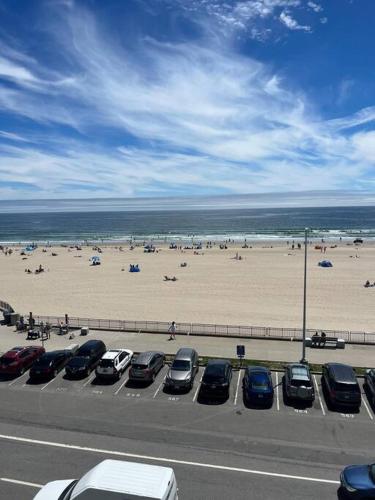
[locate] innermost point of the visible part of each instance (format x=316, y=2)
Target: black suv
x=340, y=385
x=146, y=366
x=86, y=358
x=216, y=379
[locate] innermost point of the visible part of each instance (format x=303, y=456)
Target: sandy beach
x=264, y=288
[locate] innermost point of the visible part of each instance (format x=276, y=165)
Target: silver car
x=183, y=370
x=298, y=384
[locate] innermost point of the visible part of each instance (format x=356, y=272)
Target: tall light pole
x=303, y=360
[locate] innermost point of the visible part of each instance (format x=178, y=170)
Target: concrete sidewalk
x=270, y=350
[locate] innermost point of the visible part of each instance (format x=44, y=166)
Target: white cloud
x=291, y=23
x=315, y=7
x=202, y=119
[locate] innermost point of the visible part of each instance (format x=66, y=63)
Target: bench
x=318, y=341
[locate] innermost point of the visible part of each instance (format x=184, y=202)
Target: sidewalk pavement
x=268, y=350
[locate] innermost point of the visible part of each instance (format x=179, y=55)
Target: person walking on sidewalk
x=172, y=331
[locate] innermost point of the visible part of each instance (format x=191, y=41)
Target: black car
x=86, y=358
x=340, y=385
x=257, y=386
x=216, y=379
x=370, y=385
x=49, y=364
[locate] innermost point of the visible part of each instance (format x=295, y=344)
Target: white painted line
x=18, y=378
x=24, y=483
x=238, y=384
x=320, y=399
x=121, y=386
x=197, y=390
x=162, y=459
x=367, y=408
x=158, y=389
x=277, y=392
x=47, y=384
x=89, y=380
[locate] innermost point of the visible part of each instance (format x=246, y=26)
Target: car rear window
x=259, y=381
x=351, y=387
x=180, y=364
x=300, y=383
x=138, y=366
x=106, y=363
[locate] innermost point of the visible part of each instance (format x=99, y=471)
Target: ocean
x=74, y=223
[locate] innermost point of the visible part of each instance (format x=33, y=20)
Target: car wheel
x=22, y=371
x=54, y=373
x=153, y=377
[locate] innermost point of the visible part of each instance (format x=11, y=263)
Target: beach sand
x=265, y=288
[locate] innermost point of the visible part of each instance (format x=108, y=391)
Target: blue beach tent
x=134, y=268
x=95, y=260
x=325, y=263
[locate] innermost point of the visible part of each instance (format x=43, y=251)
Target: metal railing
x=239, y=331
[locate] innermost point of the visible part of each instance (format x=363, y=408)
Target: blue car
x=358, y=482
x=257, y=386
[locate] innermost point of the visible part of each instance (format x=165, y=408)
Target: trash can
x=13, y=319
x=85, y=330
x=6, y=315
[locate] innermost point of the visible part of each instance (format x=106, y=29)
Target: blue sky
x=186, y=97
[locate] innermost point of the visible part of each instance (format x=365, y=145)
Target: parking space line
x=89, y=380
x=319, y=397
x=23, y=483
x=121, y=386
x=238, y=383
x=367, y=408
x=18, y=378
x=158, y=389
x=197, y=390
x=277, y=392
x=47, y=384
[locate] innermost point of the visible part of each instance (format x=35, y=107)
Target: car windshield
x=106, y=363
x=340, y=386
x=44, y=361
x=6, y=361
x=181, y=365
x=300, y=371
x=77, y=361
x=214, y=373
x=259, y=381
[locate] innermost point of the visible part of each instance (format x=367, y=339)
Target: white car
x=113, y=363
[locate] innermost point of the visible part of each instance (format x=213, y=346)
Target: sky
x=158, y=98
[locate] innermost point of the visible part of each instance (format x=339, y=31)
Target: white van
x=115, y=480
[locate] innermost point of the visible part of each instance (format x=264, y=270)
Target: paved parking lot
x=124, y=390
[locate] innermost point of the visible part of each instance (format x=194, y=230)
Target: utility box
x=340, y=344
x=13, y=318
x=85, y=330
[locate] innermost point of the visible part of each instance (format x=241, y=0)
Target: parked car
x=113, y=363
x=19, y=359
x=257, y=385
x=86, y=359
x=49, y=364
x=370, y=385
x=298, y=384
x=146, y=366
x=358, y=482
x=216, y=379
x=340, y=385
x=183, y=370
x=115, y=480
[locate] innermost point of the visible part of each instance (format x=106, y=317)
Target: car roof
x=299, y=371
x=342, y=373
x=52, y=354
x=144, y=357
x=91, y=343
x=185, y=353
x=113, y=353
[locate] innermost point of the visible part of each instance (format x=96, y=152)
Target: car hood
x=53, y=490
x=178, y=374
x=358, y=477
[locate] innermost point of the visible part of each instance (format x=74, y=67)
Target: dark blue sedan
x=257, y=386
x=358, y=482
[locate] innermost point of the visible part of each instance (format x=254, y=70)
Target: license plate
x=213, y=386
x=260, y=395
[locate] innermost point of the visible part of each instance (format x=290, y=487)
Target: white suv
x=113, y=363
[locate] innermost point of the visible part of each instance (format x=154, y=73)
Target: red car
x=19, y=359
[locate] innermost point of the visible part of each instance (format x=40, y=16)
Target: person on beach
x=172, y=331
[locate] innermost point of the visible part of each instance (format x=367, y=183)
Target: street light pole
x=303, y=360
